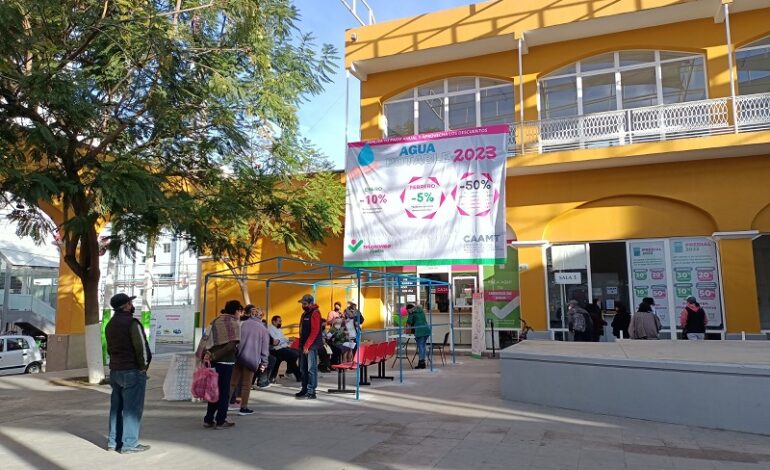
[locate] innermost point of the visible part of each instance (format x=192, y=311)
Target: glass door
x=568, y=267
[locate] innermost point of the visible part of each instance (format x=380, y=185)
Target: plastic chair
x=357, y=361
x=431, y=347
x=384, y=352
x=402, y=352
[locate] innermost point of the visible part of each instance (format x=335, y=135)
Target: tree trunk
x=149, y=264
x=89, y=260
x=244, y=285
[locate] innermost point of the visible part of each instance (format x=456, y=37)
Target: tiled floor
x=452, y=418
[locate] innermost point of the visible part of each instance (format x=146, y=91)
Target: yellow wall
x=657, y=197
x=648, y=201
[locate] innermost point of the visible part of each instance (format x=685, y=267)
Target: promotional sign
x=478, y=335
x=174, y=324
x=429, y=199
x=649, y=277
x=694, y=261
x=501, y=292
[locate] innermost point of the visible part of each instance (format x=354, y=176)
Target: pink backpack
x=205, y=383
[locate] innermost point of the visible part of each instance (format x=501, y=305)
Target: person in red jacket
x=310, y=340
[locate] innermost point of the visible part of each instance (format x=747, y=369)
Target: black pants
x=324, y=360
x=225, y=372
x=288, y=355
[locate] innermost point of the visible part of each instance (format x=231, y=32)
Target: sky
x=322, y=118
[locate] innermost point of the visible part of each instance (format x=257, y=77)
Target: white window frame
x=748, y=48
x=476, y=91
x=617, y=69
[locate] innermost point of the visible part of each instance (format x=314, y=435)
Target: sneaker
x=135, y=450
x=245, y=412
x=267, y=385
x=226, y=424
x=310, y=396
x=208, y=425
x=110, y=448
x=301, y=393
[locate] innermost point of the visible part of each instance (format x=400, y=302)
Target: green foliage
x=122, y=111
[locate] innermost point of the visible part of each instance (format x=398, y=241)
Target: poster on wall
x=694, y=262
x=478, y=334
x=649, y=277
x=427, y=199
x=502, y=303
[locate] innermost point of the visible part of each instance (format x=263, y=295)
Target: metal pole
x=521, y=95
x=430, y=323
x=730, y=65
x=492, y=325
x=205, y=303
x=347, y=111
x=267, y=299
x=452, y=324
x=6, y=294
x=399, y=348
x=358, y=336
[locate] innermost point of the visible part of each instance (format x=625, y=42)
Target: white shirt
x=276, y=333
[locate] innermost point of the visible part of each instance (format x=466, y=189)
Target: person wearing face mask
x=130, y=357
x=310, y=340
x=334, y=314
x=279, y=347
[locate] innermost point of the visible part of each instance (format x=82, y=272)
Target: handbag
x=205, y=383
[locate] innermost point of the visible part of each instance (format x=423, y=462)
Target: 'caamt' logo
x=355, y=245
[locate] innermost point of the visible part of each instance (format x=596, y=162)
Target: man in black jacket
x=129, y=359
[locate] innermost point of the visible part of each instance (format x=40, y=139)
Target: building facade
x=639, y=151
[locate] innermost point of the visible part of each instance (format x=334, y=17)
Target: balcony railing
x=649, y=124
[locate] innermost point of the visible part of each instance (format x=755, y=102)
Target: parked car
x=19, y=355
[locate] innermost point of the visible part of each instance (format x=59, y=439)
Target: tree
x=110, y=110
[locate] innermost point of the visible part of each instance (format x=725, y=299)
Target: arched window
x=453, y=103
x=622, y=80
x=753, y=63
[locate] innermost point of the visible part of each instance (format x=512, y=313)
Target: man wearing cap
x=130, y=357
x=310, y=340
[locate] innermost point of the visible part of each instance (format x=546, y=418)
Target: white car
x=19, y=355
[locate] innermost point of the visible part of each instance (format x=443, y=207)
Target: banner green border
x=423, y=262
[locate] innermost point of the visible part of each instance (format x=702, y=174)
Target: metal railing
x=647, y=124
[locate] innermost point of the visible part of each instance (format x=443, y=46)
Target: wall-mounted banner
x=427, y=199
x=502, y=303
x=695, y=274
x=649, y=277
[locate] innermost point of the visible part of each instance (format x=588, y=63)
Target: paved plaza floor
x=452, y=418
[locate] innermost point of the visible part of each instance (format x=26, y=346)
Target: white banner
x=649, y=277
x=695, y=274
x=430, y=199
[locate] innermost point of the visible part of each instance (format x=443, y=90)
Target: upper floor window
x=622, y=80
x=753, y=63
x=453, y=103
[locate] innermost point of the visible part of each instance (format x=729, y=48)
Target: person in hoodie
x=310, y=340
x=252, y=356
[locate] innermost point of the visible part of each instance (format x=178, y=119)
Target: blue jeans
x=126, y=407
x=696, y=336
x=225, y=372
x=308, y=366
x=421, y=346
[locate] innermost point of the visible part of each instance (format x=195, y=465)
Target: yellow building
x=635, y=125
x=638, y=127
